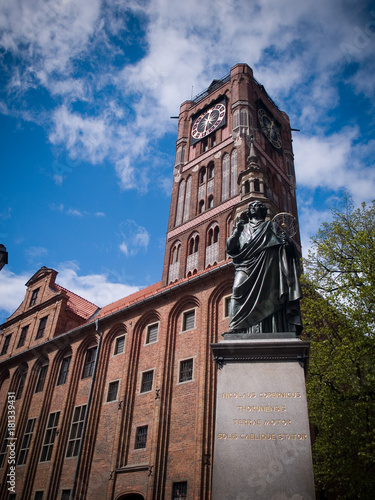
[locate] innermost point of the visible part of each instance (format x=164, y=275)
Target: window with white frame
x=188, y=320
x=152, y=333
x=119, y=345
x=147, y=381
x=186, y=370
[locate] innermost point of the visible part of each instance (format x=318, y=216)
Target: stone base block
x=262, y=446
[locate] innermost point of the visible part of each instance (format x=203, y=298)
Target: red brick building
x=118, y=402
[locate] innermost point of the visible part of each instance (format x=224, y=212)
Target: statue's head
x=257, y=208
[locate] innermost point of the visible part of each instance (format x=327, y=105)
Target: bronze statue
x=266, y=289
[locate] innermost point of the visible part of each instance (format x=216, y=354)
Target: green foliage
x=338, y=310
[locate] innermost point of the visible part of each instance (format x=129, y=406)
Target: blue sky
x=87, y=88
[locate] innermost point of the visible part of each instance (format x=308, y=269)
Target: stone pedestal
x=262, y=446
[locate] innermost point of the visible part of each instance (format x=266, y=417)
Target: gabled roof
x=77, y=304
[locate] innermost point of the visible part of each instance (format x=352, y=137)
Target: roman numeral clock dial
x=208, y=121
x=270, y=128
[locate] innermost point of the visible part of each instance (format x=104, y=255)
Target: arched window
x=202, y=175
x=212, y=246
x=180, y=202
x=211, y=171
x=210, y=202
x=187, y=200
x=233, y=173
x=236, y=119
x=174, y=263
x=192, y=259
x=201, y=206
x=225, y=177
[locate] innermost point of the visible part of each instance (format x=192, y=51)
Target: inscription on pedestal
x=262, y=440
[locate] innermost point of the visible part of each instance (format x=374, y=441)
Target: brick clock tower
x=233, y=146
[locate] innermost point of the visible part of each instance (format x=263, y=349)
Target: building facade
x=118, y=402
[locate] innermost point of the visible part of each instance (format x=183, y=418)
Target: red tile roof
x=77, y=304
x=129, y=299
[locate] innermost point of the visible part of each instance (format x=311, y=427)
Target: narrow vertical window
x=22, y=339
x=180, y=202
x=225, y=178
x=38, y=495
x=41, y=379
x=41, y=327
x=65, y=495
x=21, y=384
x=187, y=200
x=26, y=440
x=4, y=449
x=233, y=173
x=64, y=370
x=50, y=436
x=76, y=431
x=4, y=349
x=34, y=296
x=236, y=119
x=88, y=367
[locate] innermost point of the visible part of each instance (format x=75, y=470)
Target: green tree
x=339, y=319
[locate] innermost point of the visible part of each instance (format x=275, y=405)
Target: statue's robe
x=267, y=300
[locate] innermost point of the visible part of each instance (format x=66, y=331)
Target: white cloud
x=93, y=287
x=134, y=238
x=96, y=288
x=12, y=290
x=334, y=162
x=36, y=252
x=74, y=212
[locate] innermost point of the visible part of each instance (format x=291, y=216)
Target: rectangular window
x=38, y=495
x=21, y=385
x=141, y=437
x=25, y=445
x=34, y=296
x=147, y=380
x=186, y=370
x=41, y=328
x=179, y=490
x=42, y=378
x=76, y=431
x=119, y=345
x=188, y=321
x=64, y=371
x=4, y=350
x=88, y=367
x=22, y=339
x=65, y=495
x=152, y=333
x=50, y=435
x=112, y=391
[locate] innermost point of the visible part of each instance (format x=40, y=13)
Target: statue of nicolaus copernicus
x=266, y=289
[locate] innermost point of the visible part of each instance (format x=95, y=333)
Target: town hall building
x=118, y=402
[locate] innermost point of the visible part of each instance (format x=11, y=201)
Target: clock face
x=269, y=128
x=208, y=121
